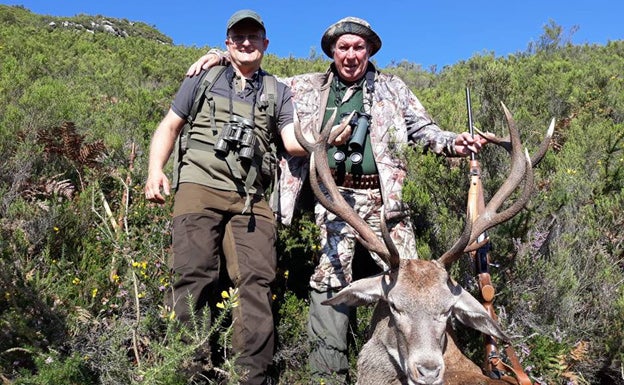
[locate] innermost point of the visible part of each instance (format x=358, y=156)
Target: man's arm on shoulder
x=210, y=59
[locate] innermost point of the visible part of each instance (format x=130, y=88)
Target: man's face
x=246, y=43
x=351, y=57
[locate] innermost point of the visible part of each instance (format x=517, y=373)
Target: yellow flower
x=94, y=292
x=56, y=229
x=172, y=315
x=286, y=274
x=229, y=297
x=76, y=280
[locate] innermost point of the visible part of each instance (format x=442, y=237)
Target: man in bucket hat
x=373, y=179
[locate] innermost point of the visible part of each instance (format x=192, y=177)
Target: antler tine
x=506, y=144
x=491, y=218
x=518, y=167
x=521, y=170
x=544, y=145
x=335, y=203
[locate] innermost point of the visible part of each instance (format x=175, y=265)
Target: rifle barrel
x=470, y=127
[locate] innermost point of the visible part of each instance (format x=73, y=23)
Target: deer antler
x=521, y=170
x=506, y=142
x=333, y=200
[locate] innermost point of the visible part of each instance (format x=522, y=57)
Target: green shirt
x=347, y=101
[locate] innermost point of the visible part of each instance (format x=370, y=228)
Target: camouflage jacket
x=397, y=117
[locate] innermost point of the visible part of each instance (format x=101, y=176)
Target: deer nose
x=428, y=373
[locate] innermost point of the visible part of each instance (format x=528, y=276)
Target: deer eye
x=443, y=342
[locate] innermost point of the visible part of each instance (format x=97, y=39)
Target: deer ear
x=361, y=292
x=472, y=313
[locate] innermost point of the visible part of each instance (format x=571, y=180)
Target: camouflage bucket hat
x=350, y=25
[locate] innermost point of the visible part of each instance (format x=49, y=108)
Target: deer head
x=415, y=298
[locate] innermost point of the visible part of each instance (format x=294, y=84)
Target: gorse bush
x=83, y=256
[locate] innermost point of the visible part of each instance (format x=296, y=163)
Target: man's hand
x=465, y=143
x=155, y=181
x=205, y=62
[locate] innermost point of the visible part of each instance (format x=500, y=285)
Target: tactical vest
x=196, y=160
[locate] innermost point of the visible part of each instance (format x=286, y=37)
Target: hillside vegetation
x=83, y=257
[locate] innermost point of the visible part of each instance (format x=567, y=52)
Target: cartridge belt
x=356, y=181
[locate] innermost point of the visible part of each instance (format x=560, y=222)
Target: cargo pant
x=199, y=227
x=328, y=325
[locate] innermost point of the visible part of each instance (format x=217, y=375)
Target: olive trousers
x=201, y=217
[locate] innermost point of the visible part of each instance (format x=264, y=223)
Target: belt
x=356, y=181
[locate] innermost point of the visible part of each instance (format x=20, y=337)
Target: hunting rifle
x=494, y=366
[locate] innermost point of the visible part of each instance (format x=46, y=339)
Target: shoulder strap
x=207, y=83
x=270, y=90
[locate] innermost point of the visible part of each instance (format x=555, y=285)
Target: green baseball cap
x=243, y=14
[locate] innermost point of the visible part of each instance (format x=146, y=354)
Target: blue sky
x=429, y=33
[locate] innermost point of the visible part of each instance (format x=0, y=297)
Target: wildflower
x=286, y=274
x=234, y=296
x=94, y=292
x=229, y=297
x=141, y=295
x=49, y=360
x=172, y=315
x=115, y=278
x=76, y=280
x=56, y=229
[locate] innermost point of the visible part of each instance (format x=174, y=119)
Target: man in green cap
x=228, y=135
x=369, y=177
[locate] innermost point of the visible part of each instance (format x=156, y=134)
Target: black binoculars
x=237, y=135
x=359, y=125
